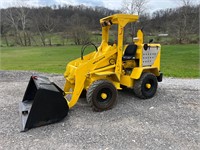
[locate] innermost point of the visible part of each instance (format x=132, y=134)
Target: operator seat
x=129, y=53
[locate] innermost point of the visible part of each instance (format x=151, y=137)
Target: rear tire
x=140, y=88
x=102, y=95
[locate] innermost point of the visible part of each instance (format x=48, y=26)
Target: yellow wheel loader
x=100, y=73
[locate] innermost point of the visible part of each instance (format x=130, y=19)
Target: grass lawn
x=43, y=59
x=180, y=61
x=176, y=60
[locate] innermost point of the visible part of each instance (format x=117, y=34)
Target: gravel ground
x=170, y=120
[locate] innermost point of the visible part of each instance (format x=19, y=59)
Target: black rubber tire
x=140, y=89
x=94, y=98
x=83, y=94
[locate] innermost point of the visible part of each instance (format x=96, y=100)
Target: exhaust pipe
x=43, y=103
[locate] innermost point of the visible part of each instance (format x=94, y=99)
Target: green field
x=43, y=59
x=180, y=61
x=176, y=60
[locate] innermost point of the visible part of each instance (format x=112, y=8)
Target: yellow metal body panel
x=107, y=63
x=105, y=73
x=126, y=81
x=138, y=71
x=120, y=19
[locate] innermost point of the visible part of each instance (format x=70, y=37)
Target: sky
x=153, y=5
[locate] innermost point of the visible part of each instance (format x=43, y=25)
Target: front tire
x=102, y=95
x=146, y=86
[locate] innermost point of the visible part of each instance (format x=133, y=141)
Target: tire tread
x=89, y=95
x=138, y=85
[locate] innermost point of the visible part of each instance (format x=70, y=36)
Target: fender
x=137, y=71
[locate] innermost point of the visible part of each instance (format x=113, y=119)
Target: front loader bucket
x=43, y=104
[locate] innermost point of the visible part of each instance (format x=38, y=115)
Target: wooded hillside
x=59, y=25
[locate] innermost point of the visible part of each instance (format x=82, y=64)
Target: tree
x=22, y=14
x=4, y=27
x=49, y=23
x=184, y=2
x=18, y=17
x=44, y=23
x=38, y=25
x=134, y=6
x=183, y=23
x=80, y=35
x=13, y=19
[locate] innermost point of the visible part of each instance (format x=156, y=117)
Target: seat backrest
x=130, y=50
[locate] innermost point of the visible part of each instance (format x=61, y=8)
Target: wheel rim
x=149, y=85
x=104, y=95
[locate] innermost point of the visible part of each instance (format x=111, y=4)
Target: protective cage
x=43, y=103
